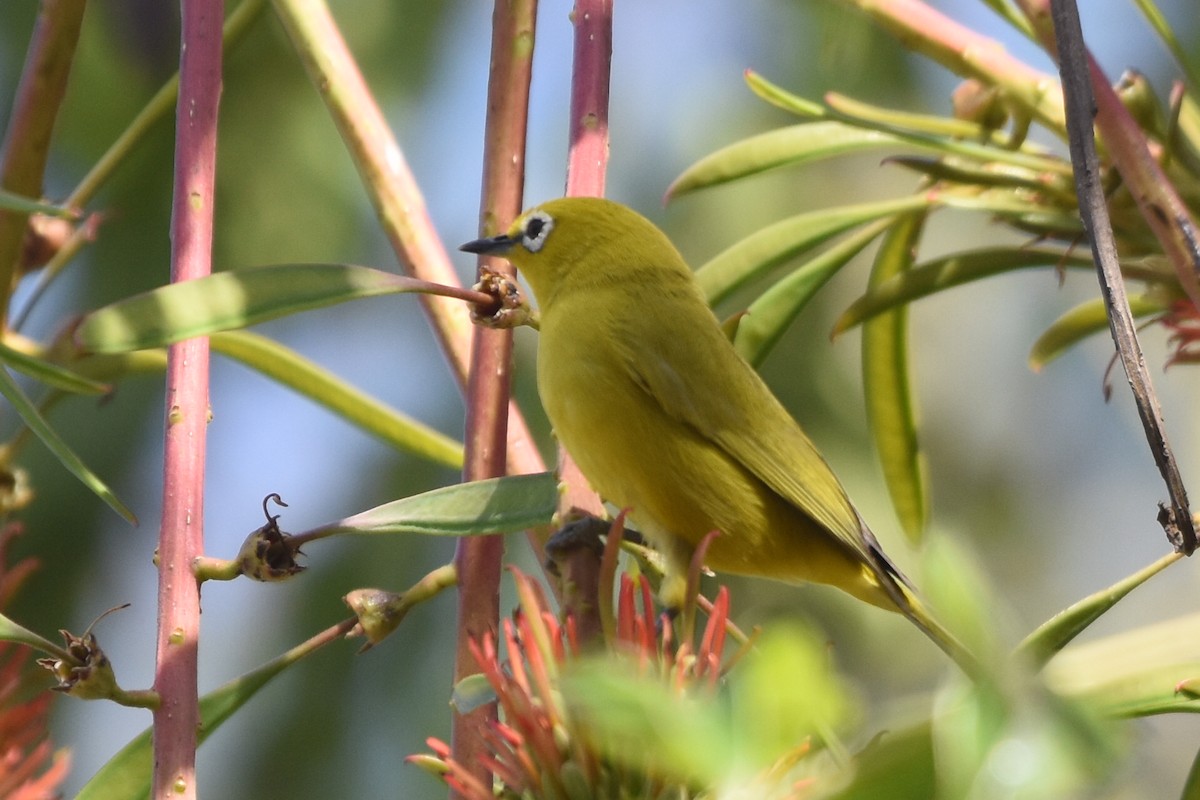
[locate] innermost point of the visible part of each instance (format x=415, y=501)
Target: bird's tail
x=909, y=602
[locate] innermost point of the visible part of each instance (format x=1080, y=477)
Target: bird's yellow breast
x=678, y=484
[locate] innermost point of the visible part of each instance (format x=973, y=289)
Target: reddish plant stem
x=923, y=29
x=477, y=559
x=35, y=109
x=587, y=163
x=181, y=538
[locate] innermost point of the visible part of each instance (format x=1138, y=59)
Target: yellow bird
x=665, y=418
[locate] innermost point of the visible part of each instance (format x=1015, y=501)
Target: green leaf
x=943, y=273
x=765, y=249
x=759, y=329
x=1134, y=673
x=997, y=176
x=1054, y=634
x=780, y=97
x=50, y=374
x=894, y=123
x=634, y=720
x=865, y=114
x=13, y=632
x=789, y=146
x=496, y=505
x=1017, y=208
x=38, y=424
x=891, y=407
x=293, y=370
x=23, y=205
x=229, y=300
x=1081, y=322
x=785, y=692
x=899, y=765
x=127, y=775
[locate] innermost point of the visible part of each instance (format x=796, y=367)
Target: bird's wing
x=723, y=399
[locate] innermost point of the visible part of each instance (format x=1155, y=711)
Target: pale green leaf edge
x=758, y=330
x=1082, y=321
x=127, y=775
x=890, y=404
x=287, y=367
x=229, y=300
x=65, y=455
x=491, y=506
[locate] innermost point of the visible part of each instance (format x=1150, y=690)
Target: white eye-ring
x=537, y=227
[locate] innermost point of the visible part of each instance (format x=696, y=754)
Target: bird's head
x=580, y=241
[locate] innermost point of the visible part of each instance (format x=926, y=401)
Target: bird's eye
x=537, y=228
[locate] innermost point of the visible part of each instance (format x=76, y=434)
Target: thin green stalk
x=156, y=110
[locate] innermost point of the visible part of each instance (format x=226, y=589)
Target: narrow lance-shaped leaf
x=782, y=98
x=496, y=505
x=891, y=407
x=944, y=273
x=13, y=632
x=926, y=124
x=126, y=776
x=874, y=120
x=1134, y=673
x=789, y=146
x=38, y=424
x=992, y=175
x=1082, y=321
x=763, y=250
x=1053, y=635
x=760, y=328
x=50, y=374
x=229, y=300
x=282, y=364
x=291, y=369
x=1019, y=209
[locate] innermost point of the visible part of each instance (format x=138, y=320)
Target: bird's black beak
x=495, y=245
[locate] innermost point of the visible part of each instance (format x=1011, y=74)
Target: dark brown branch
x=1074, y=62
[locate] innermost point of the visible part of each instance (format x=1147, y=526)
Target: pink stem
x=587, y=164
x=587, y=161
x=181, y=537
